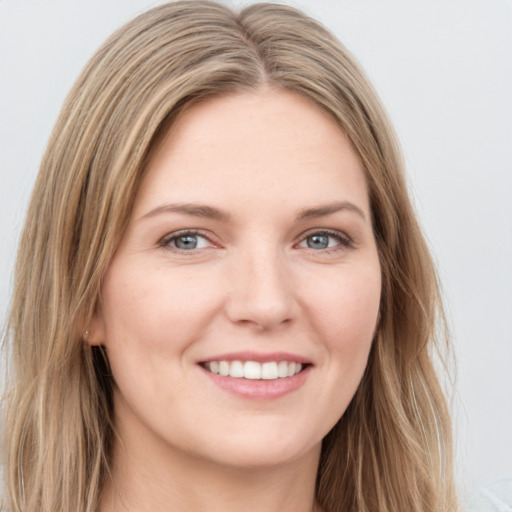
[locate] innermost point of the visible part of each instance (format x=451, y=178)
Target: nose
x=261, y=291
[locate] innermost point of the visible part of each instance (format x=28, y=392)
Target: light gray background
x=444, y=71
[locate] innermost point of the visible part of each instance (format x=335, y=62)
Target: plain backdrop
x=444, y=71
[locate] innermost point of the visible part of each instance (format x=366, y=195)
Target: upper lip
x=258, y=357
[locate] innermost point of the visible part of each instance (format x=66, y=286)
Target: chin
x=262, y=447
x=264, y=455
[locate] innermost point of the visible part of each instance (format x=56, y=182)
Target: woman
x=223, y=299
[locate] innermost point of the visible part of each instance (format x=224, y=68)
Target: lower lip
x=260, y=388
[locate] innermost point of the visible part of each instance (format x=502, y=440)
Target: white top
x=495, y=498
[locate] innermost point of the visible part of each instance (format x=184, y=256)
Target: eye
x=186, y=241
x=325, y=240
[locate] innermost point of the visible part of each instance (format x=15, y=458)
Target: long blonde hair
x=391, y=450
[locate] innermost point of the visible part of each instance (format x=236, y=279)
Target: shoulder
x=495, y=498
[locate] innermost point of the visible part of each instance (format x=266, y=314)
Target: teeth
x=224, y=368
x=236, y=369
x=282, y=369
x=269, y=371
x=254, y=370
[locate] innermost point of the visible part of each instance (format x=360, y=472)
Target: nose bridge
x=261, y=292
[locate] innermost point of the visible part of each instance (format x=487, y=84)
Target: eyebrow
x=328, y=209
x=210, y=212
x=196, y=210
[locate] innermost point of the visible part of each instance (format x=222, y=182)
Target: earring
x=86, y=334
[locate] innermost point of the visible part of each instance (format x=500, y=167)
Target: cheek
x=151, y=317
x=345, y=309
x=156, y=306
x=342, y=312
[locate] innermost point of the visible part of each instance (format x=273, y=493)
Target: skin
x=255, y=282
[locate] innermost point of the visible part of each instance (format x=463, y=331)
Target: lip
x=258, y=357
x=259, y=389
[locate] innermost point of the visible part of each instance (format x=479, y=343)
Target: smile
x=254, y=370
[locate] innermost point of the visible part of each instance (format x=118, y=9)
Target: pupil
x=318, y=242
x=186, y=242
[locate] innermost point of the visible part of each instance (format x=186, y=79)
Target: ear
x=95, y=334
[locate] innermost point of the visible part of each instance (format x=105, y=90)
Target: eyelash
x=165, y=242
x=344, y=242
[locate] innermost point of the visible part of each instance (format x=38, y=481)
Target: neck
x=147, y=476
x=193, y=486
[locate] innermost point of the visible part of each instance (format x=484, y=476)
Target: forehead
x=254, y=145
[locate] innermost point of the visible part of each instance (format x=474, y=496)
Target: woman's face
x=239, y=310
